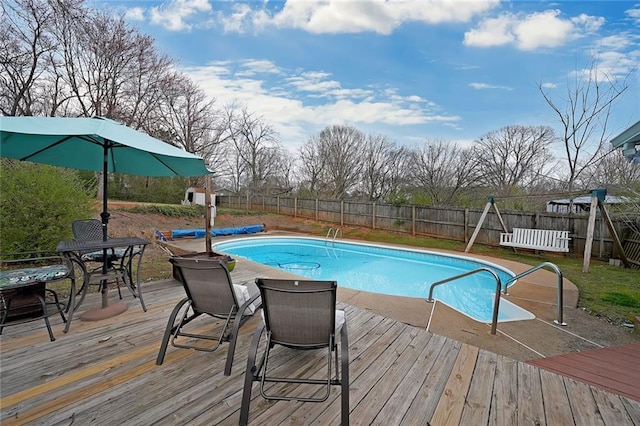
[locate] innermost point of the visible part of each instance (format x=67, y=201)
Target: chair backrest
x=208, y=285
x=87, y=229
x=299, y=313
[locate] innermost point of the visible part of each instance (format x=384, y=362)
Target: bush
x=168, y=190
x=169, y=210
x=38, y=204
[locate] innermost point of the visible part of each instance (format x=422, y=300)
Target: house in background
x=629, y=142
x=582, y=204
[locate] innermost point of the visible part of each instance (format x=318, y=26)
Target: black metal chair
x=91, y=230
x=210, y=291
x=299, y=315
x=118, y=259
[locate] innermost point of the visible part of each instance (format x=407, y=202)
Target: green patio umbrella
x=97, y=144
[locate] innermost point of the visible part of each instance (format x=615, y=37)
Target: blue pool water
x=385, y=270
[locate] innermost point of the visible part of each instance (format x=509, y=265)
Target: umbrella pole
x=106, y=310
x=207, y=204
x=105, y=221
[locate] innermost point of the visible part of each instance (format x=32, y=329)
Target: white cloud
x=174, y=15
x=491, y=32
x=339, y=16
x=253, y=67
x=134, y=14
x=528, y=32
x=616, y=41
x=542, y=30
x=467, y=67
x=237, y=19
x=617, y=55
x=617, y=64
x=383, y=112
x=313, y=85
x=589, y=24
x=278, y=101
x=484, y=86
x=549, y=85
x=634, y=14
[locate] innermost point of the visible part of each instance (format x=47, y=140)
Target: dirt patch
x=123, y=223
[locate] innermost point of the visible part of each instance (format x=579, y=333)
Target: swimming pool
x=385, y=270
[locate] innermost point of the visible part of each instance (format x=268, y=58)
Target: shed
x=195, y=195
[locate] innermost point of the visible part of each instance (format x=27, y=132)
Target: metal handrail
x=335, y=233
x=496, y=303
x=558, y=272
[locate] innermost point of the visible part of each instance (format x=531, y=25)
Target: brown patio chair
x=299, y=315
x=210, y=291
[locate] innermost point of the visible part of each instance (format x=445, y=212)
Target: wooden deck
x=105, y=373
x=615, y=369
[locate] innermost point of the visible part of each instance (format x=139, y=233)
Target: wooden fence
x=452, y=223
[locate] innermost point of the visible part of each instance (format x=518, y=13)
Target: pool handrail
x=335, y=231
x=558, y=272
x=496, y=303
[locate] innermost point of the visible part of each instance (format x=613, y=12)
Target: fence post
x=413, y=220
x=590, y=228
x=373, y=214
x=601, y=231
x=466, y=225
x=278, y=204
x=316, y=209
x=341, y=213
x=295, y=207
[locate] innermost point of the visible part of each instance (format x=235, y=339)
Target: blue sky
x=408, y=70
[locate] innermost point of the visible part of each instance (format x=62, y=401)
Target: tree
x=256, y=152
x=381, y=168
x=513, y=157
x=101, y=53
x=25, y=46
x=111, y=70
x=584, y=116
x=339, y=150
x=189, y=117
x=311, y=166
x=613, y=171
x=442, y=170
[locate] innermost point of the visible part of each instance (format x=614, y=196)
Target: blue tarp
x=217, y=232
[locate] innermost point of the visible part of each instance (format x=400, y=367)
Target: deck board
x=530, y=400
x=478, y=399
x=614, y=369
x=105, y=373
